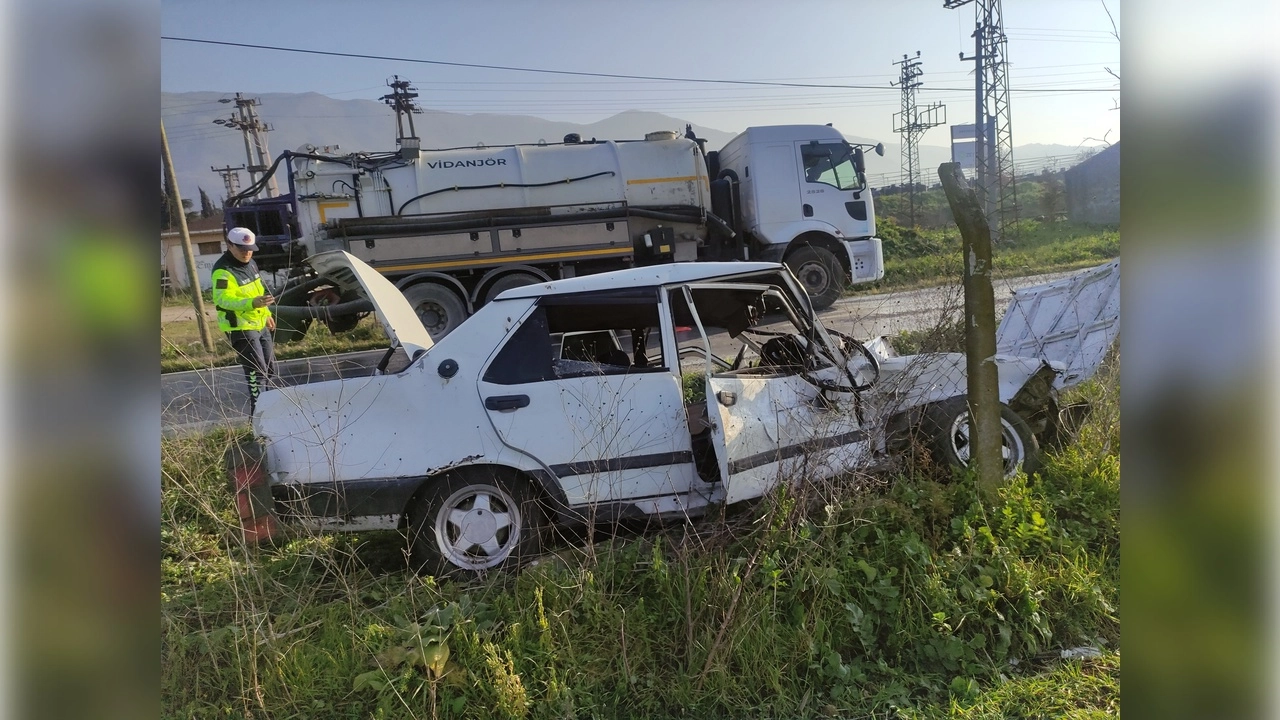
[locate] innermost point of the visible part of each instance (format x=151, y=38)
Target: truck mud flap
x=249, y=484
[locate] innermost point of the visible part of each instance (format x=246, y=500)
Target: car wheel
x=947, y=427
x=439, y=308
x=506, y=282
x=474, y=521
x=819, y=274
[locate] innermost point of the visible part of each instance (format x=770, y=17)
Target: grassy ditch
x=906, y=596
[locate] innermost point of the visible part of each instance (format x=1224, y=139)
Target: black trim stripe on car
x=631, y=462
x=779, y=454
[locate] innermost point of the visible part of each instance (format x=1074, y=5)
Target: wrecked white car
x=569, y=402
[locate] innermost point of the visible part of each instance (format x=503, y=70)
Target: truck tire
x=475, y=520
x=506, y=282
x=438, y=307
x=819, y=273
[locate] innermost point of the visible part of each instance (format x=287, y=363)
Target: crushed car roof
x=652, y=276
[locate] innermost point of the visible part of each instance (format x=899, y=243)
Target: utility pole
x=255, y=141
x=912, y=122
x=993, y=118
x=230, y=178
x=985, y=429
x=197, y=297
x=401, y=100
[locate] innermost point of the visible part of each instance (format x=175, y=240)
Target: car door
x=608, y=430
x=771, y=423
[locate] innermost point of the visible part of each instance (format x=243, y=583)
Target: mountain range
x=298, y=119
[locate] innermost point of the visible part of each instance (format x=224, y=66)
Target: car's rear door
x=611, y=432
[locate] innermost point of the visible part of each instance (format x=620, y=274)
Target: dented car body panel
x=1073, y=321
x=611, y=434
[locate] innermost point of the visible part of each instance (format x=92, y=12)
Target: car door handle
x=506, y=402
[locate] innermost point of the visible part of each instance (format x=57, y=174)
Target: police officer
x=243, y=315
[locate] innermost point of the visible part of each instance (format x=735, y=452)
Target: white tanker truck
x=453, y=228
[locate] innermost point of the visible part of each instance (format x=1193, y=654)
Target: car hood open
x=397, y=317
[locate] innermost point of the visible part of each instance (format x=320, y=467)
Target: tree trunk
x=980, y=331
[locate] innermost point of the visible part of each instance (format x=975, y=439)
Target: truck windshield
x=829, y=164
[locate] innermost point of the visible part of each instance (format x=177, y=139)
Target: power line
x=577, y=73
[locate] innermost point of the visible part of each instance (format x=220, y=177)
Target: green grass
x=933, y=257
x=181, y=348
x=905, y=597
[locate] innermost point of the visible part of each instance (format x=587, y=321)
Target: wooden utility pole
x=197, y=298
x=979, y=331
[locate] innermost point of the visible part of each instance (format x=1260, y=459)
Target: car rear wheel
x=947, y=425
x=475, y=521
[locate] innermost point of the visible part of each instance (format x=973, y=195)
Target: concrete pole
x=979, y=332
x=980, y=167
x=197, y=298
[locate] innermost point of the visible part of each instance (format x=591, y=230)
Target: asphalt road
x=203, y=399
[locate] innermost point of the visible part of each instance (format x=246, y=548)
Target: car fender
x=912, y=381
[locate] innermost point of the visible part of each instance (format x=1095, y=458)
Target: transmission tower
x=230, y=179
x=993, y=157
x=912, y=122
x=255, y=140
x=401, y=100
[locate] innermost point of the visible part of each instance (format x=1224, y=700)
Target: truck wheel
x=474, y=521
x=947, y=425
x=819, y=274
x=506, y=282
x=438, y=307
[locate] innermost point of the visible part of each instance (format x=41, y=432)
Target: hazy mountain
x=368, y=125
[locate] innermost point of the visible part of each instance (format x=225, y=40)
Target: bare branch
x=1115, y=32
x=1102, y=139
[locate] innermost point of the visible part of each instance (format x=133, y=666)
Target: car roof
x=650, y=276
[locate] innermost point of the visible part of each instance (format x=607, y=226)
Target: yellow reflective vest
x=235, y=285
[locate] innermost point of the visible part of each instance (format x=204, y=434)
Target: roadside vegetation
x=181, y=349
x=928, y=253
x=893, y=596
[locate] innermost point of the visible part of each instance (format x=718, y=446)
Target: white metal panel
x=651, y=276
x=398, y=319
x=1073, y=321
x=591, y=430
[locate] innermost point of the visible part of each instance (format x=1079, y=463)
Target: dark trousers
x=257, y=356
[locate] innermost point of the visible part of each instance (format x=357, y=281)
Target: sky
x=1053, y=45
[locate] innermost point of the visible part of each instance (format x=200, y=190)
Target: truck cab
x=805, y=202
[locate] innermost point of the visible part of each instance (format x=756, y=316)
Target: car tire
x=507, y=282
x=946, y=425
x=439, y=308
x=474, y=521
x=819, y=273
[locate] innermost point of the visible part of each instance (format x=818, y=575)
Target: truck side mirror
x=859, y=163
x=880, y=149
